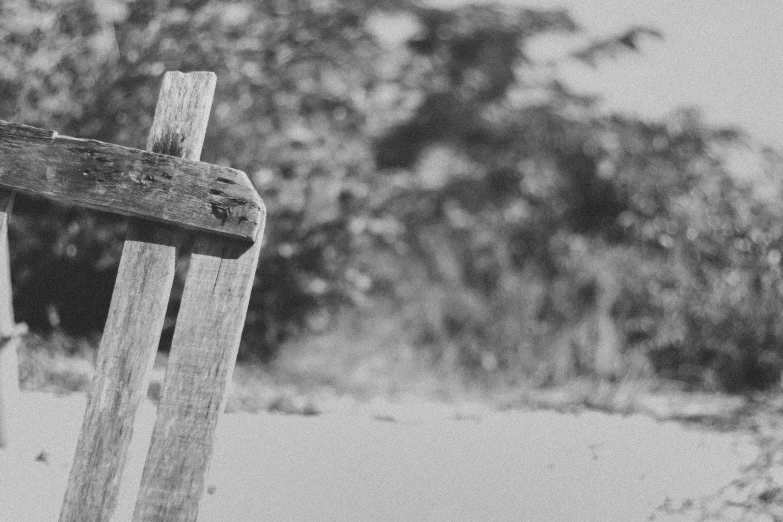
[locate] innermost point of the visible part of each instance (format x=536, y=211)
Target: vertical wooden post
x=136, y=315
x=9, y=365
x=201, y=361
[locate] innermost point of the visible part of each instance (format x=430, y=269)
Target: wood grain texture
x=7, y=323
x=136, y=315
x=201, y=362
x=132, y=182
x=9, y=364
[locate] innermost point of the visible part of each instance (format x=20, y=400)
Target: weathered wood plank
x=132, y=182
x=201, y=361
x=136, y=315
x=9, y=364
x=7, y=323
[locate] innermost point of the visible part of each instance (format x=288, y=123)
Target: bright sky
x=722, y=56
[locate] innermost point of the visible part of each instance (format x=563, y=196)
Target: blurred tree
x=495, y=161
x=453, y=175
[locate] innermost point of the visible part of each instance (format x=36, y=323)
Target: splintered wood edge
x=121, y=180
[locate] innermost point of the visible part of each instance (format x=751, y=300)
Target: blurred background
x=460, y=197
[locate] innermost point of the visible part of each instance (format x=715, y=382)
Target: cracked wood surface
x=151, y=184
x=200, y=365
x=136, y=315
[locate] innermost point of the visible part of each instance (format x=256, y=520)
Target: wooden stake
x=201, y=362
x=9, y=364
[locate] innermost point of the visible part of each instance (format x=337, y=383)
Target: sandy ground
x=409, y=462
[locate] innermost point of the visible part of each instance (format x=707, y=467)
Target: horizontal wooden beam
x=121, y=180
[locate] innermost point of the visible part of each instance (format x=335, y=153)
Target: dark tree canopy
x=451, y=171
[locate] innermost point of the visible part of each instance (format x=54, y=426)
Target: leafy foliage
x=507, y=222
x=288, y=110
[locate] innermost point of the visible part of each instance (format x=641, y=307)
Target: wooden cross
x=164, y=190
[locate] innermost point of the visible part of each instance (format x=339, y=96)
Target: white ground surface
x=403, y=463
